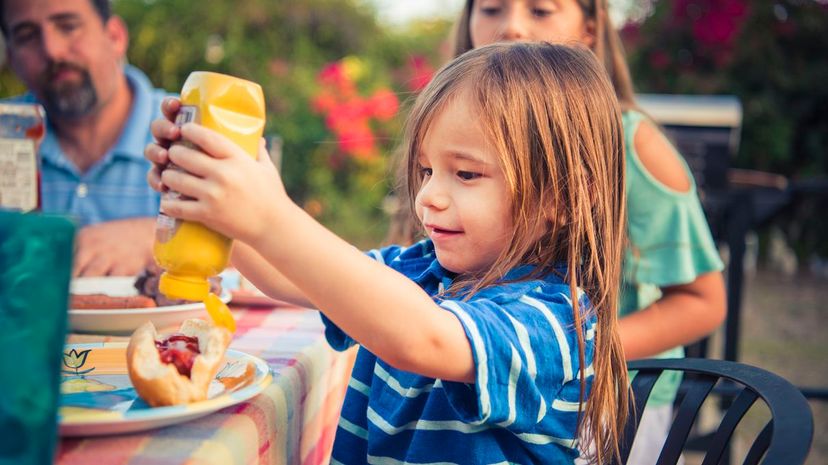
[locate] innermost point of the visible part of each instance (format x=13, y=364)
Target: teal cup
x=35, y=269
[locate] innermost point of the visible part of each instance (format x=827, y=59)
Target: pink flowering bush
x=334, y=79
x=360, y=105
x=349, y=115
x=771, y=55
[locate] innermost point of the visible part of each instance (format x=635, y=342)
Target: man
x=70, y=54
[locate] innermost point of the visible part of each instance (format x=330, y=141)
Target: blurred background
x=338, y=76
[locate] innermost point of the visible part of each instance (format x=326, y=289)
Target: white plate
x=109, y=285
x=97, y=397
x=125, y=321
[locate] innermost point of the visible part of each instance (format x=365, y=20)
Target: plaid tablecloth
x=292, y=422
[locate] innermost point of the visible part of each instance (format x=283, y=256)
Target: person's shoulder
x=27, y=97
x=414, y=258
x=146, y=108
x=548, y=290
x=143, y=85
x=557, y=296
x=655, y=154
x=534, y=304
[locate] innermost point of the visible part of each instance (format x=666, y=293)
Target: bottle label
x=21, y=129
x=166, y=226
x=187, y=114
x=18, y=174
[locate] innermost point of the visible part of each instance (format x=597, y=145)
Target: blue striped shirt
x=116, y=186
x=523, y=406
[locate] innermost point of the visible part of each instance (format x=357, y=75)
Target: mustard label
x=187, y=114
x=166, y=226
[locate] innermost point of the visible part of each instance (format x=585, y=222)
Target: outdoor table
x=292, y=422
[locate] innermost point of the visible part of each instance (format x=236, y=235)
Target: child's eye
x=468, y=175
x=490, y=11
x=541, y=12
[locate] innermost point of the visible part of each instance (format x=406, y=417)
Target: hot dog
x=177, y=369
x=108, y=302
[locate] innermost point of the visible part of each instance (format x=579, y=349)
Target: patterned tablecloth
x=292, y=422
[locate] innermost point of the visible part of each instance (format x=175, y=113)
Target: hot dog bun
x=160, y=383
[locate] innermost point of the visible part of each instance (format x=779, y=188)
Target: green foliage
x=283, y=45
x=9, y=84
x=769, y=53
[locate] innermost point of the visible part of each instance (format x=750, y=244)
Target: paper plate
x=97, y=397
x=124, y=321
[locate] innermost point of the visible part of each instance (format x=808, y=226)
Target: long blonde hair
x=608, y=46
x=403, y=227
x=551, y=115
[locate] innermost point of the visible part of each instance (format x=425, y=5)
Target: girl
x=483, y=342
x=672, y=292
x=676, y=253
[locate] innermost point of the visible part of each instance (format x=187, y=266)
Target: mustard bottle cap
x=184, y=287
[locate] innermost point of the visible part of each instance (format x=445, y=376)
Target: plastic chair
x=785, y=439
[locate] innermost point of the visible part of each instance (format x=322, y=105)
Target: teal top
x=669, y=243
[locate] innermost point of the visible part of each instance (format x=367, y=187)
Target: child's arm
x=684, y=313
x=381, y=309
x=265, y=277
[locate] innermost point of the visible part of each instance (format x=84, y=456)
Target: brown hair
x=403, y=227
x=102, y=7
x=551, y=115
x=608, y=46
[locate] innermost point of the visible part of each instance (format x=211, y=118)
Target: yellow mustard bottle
x=189, y=252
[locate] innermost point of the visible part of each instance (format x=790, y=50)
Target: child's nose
x=514, y=27
x=432, y=195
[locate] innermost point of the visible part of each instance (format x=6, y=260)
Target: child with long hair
x=493, y=340
x=672, y=290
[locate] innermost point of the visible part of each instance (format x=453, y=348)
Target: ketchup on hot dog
x=180, y=350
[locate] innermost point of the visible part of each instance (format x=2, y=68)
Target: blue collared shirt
x=115, y=187
x=523, y=406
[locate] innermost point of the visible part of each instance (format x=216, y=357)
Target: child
x=482, y=343
x=672, y=290
x=671, y=259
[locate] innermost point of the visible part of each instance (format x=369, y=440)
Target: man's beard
x=69, y=99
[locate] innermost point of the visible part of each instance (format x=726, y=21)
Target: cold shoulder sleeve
x=669, y=238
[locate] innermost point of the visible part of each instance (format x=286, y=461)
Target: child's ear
x=589, y=33
x=557, y=218
x=554, y=213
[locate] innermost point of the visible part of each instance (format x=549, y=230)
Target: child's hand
x=228, y=190
x=165, y=132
